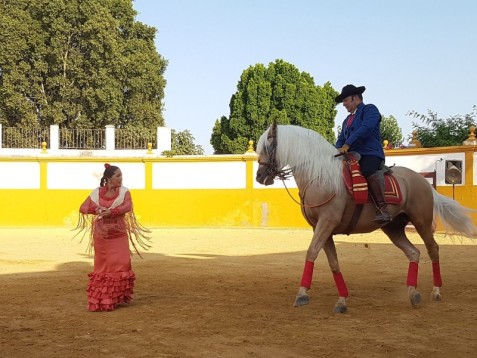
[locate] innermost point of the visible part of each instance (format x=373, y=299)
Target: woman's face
x=116, y=180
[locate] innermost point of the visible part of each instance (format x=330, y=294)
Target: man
x=361, y=133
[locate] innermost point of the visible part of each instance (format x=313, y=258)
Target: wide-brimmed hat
x=349, y=90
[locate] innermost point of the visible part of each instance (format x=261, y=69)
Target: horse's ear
x=273, y=128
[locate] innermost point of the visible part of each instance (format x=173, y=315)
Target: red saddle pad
x=358, y=188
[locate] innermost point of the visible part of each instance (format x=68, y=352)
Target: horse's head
x=268, y=166
x=266, y=150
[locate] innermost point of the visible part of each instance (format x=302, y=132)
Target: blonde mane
x=309, y=155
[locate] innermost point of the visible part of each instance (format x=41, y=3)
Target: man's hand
x=344, y=149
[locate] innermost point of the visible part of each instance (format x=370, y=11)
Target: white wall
x=212, y=175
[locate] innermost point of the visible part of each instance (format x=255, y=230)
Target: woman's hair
x=108, y=173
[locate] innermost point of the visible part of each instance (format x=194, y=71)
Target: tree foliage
x=391, y=132
x=278, y=91
x=182, y=143
x=443, y=132
x=79, y=64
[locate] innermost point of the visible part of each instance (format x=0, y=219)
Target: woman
x=108, y=213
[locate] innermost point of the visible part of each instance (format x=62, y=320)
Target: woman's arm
x=88, y=207
x=124, y=207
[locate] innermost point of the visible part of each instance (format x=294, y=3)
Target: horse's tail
x=455, y=217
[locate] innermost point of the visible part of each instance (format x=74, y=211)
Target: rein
x=302, y=198
x=283, y=174
x=272, y=167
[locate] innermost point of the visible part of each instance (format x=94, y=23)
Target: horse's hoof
x=340, y=309
x=301, y=300
x=436, y=295
x=415, y=299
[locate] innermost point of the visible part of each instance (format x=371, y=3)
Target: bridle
x=284, y=174
x=272, y=166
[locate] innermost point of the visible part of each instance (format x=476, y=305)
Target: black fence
x=82, y=139
x=88, y=139
x=13, y=137
x=134, y=138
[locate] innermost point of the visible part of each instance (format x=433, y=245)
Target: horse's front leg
x=330, y=250
x=320, y=236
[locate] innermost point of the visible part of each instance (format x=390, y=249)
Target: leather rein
x=283, y=174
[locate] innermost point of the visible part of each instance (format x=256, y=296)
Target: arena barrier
x=45, y=188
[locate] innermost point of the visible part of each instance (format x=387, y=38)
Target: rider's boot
x=376, y=188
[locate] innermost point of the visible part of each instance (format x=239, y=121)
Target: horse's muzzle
x=263, y=177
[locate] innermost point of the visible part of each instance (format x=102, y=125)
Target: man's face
x=350, y=103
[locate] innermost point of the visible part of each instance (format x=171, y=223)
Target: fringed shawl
x=137, y=234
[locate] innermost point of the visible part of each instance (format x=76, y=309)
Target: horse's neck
x=313, y=194
x=311, y=157
x=302, y=183
x=325, y=178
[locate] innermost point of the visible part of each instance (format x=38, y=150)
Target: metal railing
x=134, y=139
x=82, y=138
x=16, y=137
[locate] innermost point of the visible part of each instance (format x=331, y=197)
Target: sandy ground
x=230, y=293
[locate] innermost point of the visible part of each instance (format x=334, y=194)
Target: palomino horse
x=329, y=208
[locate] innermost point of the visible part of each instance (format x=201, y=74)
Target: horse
x=286, y=150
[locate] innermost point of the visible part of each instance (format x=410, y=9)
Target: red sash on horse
x=358, y=186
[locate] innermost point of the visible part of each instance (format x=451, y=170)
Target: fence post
x=1, y=135
x=110, y=137
x=54, y=137
x=163, y=139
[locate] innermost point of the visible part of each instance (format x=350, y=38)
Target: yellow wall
x=246, y=207
x=154, y=207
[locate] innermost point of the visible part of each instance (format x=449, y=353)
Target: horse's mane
x=309, y=155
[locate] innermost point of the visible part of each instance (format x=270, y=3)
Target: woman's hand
x=100, y=211
x=106, y=212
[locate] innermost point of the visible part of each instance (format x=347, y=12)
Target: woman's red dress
x=112, y=280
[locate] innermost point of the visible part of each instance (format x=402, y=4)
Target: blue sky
x=411, y=54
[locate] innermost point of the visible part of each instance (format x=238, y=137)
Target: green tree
x=391, y=132
x=182, y=143
x=78, y=63
x=278, y=91
x=443, y=132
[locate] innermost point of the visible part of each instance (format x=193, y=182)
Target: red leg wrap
x=436, y=274
x=412, y=274
x=340, y=284
x=307, y=274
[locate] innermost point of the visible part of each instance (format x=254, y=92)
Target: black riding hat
x=349, y=90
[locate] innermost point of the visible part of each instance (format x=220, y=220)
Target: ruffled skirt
x=107, y=290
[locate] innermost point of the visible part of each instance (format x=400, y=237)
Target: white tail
x=456, y=218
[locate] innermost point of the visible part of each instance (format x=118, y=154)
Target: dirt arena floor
x=230, y=293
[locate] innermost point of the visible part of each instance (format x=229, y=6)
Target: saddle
x=358, y=186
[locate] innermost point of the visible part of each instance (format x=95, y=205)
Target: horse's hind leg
x=330, y=250
x=396, y=232
x=426, y=231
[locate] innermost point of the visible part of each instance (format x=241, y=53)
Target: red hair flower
x=107, y=165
